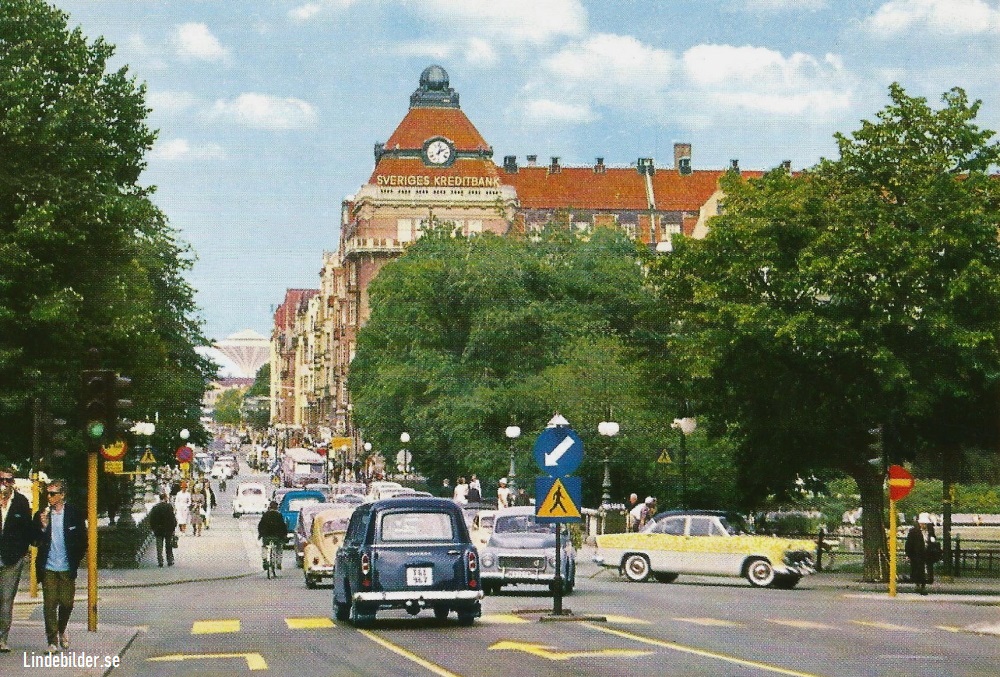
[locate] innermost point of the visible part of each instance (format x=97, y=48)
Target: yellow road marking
x=949, y=628
x=501, y=619
x=718, y=622
x=889, y=626
x=699, y=652
x=627, y=620
x=422, y=662
x=805, y=625
x=254, y=660
x=213, y=627
x=309, y=623
x=543, y=651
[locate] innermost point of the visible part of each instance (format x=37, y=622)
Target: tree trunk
x=873, y=526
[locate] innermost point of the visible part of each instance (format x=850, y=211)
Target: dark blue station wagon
x=407, y=553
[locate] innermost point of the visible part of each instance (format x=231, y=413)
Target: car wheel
x=466, y=616
x=786, y=581
x=760, y=573
x=441, y=612
x=664, y=577
x=310, y=582
x=636, y=567
x=362, y=616
x=342, y=612
x=300, y=562
x=236, y=515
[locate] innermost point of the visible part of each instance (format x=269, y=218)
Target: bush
x=122, y=545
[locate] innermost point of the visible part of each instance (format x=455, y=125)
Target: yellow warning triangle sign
x=148, y=458
x=557, y=503
x=664, y=457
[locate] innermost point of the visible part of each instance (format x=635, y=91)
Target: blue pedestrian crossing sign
x=558, y=499
x=558, y=451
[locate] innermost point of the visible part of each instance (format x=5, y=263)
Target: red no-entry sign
x=184, y=454
x=900, y=482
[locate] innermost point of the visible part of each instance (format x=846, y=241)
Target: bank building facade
x=437, y=167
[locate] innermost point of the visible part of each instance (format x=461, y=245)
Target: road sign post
x=900, y=484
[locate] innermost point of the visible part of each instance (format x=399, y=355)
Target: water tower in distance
x=247, y=349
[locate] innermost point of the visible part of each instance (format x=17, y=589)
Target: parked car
x=328, y=527
x=349, y=499
x=705, y=542
x=376, y=487
x=341, y=488
x=407, y=553
x=521, y=550
x=295, y=500
x=303, y=528
x=251, y=498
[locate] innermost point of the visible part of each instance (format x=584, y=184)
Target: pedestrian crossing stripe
x=664, y=457
x=309, y=623
x=557, y=503
x=213, y=627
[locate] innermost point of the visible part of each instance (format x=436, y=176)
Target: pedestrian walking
x=647, y=512
x=163, y=522
x=61, y=537
x=461, y=494
x=522, y=497
x=475, y=493
x=16, y=534
x=182, y=506
x=196, y=512
x=633, y=501
x=922, y=550
x=503, y=494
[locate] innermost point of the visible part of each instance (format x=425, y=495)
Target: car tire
x=361, y=616
x=441, y=612
x=664, y=577
x=310, y=582
x=300, y=562
x=786, y=581
x=466, y=617
x=342, y=612
x=636, y=567
x=760, y=573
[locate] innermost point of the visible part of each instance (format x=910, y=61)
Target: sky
x=268, y=110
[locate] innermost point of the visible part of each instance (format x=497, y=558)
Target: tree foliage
x=86, y=259
x=849, y=311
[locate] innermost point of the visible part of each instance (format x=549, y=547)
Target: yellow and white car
x=705, y=542
x=320, y=553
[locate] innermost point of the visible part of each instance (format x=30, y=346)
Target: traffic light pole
x=92, y=539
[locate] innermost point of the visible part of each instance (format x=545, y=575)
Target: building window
x=629, y=229
x=404, y=230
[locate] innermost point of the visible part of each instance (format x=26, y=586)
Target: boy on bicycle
x=271, y=529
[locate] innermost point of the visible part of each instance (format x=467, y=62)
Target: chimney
x=510, y=164
x=532, y=160
x=787, y=165
x=554, y=166
x=734, y=166
x=645, y=166
x=599, y=168
x=379, y=151
x=682, y=151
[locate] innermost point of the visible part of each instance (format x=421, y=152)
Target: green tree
x=86, y=259
x=849, y=312
x=228, y=408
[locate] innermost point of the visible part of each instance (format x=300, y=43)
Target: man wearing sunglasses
x=15, y=536
x=61, y=536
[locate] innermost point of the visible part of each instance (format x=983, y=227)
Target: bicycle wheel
x=275, y=554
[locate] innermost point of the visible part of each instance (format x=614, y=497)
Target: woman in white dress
x=182, y=507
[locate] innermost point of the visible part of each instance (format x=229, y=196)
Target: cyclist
x=271, y=529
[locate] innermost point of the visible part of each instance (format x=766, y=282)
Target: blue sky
x=268, y=110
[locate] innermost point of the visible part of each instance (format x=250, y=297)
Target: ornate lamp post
x=686, y=425
x=609, y=429
x=512, y=432
x=184, y=435
x=403, y=459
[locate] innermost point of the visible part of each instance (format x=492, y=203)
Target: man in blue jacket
x=61, y=536
x=15, y=536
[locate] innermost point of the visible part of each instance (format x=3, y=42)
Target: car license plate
x=417, y=576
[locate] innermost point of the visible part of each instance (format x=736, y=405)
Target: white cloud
x=474, y=51
x=195, y=41
x=307, y=11
x=180, y=149
x=946, y=17
x=774, y=5
x=261, y=111
x=546, y=110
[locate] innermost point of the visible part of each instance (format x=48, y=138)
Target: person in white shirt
x=503, y=494
x=461, y=495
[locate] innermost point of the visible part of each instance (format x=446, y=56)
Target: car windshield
x=486, y=521
x=417, y=526
x=511, y=524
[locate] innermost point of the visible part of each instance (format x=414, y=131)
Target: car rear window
x=417, y=526
x=297, y=503
x=336, y=524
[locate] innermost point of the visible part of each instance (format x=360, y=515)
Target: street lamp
x=512, y=432
x=403, y=458
x=686, y=425
x=184, y=435
x=609, y=429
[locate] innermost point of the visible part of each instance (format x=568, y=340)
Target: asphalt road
x=692, y=627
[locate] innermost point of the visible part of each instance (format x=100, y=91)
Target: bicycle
x=271, y=555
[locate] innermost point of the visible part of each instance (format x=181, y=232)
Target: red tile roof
x=674, y=192
x=284, y=316
x=421, y=124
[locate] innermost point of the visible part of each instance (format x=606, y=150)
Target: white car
x=375, y=489
x=251, y=497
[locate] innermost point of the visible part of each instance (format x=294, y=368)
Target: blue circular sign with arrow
x=558, y=451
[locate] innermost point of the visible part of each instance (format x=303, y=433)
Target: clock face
x=438, y=152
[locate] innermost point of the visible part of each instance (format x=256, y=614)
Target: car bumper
x=518, y=576
x=320, y=572
x=402, y=596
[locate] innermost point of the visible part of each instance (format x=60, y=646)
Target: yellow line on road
x=213, y=627
x=309, y=623
x=805, y=625
x=409, y=655
x=673, y=646
x=254, y=660
x=626, y=620
x=889, y=626
x=501, y=619
x=549, y=652
x=710, y=622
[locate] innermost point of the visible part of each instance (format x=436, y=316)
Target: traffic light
x=98, y=407
x=118, y=403
x=53, y=436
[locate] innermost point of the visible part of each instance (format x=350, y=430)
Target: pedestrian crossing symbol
x=664, y=457
x=559, y=499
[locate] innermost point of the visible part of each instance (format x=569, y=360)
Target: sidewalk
x=220, y=553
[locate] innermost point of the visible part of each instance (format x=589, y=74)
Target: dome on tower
x=434, y=77
x=434, y=91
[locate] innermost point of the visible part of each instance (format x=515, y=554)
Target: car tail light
x=473, y=561
x=366, y=568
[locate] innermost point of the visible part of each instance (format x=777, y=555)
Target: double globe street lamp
x=608, y=429
x=512, y=432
